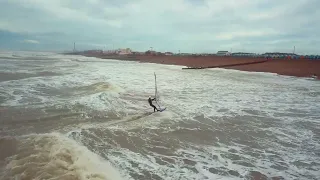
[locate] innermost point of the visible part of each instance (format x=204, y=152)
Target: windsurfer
x=150, y=103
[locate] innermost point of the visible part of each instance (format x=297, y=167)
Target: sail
x=156, y=90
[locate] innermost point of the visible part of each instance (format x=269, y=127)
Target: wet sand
x=290, y=67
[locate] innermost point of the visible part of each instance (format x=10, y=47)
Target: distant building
x=150, y=52
x=168, y=53
x=138, y=53
x=223, y=53
x=243, y=54
x=276, y=55
x=185, y=54
x=110, y=52
x=124, y=51
x=94, y=51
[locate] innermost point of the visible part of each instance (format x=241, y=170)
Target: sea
x=68, y=117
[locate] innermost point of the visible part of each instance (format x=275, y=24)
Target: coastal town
x=290, y=64
x=129, y=51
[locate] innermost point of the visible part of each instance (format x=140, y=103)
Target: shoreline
x=288, y=67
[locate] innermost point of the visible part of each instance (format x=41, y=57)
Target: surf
x=54, y=156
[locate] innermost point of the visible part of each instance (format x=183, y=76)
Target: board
x=162, y=109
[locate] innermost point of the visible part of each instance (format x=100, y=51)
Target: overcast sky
x=165, y=25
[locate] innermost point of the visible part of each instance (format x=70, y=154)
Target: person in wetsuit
x=150, y=103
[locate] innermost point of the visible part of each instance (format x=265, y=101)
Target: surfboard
x=163, y=109
x=156, y=94
x=160, y=110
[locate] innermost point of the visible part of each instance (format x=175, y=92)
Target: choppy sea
x=75, y=117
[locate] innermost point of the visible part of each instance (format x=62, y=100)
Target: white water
x=211, y=115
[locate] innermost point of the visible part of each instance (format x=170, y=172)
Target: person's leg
x=154, y=108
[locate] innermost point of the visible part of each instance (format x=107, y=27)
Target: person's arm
x=153, y=99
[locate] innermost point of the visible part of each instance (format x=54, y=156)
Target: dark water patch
x=20, y=120
x=252, y=112
x=8, y=76
x=313, y=94
x=245, y=131
x=234, y=173
x=307, y=125
x=290, y=114
x=232, y=151
x=47, y=73
x=56, y=109
x=244, y=163
x=112, y=139
x=169, y=160
x=196, y=136
x=8, y=58
x=193, y=169
x=4, y=97
x=8, y=147
x=32, y=58
x=277, y=178
x=273, y=156
x=280, y=166
x=17, y=92
x=297, y=111
x=256, y=175
x=244, y=139
x=38, y=119
x=136, y=141
x=231, y=156
x=15, y=115
x=254, y=153
x=204, y=131
x=66, y=92
x=189, y=162
x=224, y=172
x=218, y=171
x=161, y=162
x=287, y=144
x=146, y=175
x=30, y=100
x=301, y=164
x=223, y=110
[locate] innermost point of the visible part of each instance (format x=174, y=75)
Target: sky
x=165, y=25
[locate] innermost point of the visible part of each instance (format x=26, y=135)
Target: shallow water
x=73, y=117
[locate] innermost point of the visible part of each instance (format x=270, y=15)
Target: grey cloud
x=194, y=25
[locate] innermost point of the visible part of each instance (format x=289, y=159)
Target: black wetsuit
x=150, y=102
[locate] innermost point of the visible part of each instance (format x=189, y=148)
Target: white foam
x=58, y=157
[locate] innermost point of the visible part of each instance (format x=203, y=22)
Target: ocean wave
x=52, y=156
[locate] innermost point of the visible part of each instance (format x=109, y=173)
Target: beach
x=290, y=67
x=72, y=117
